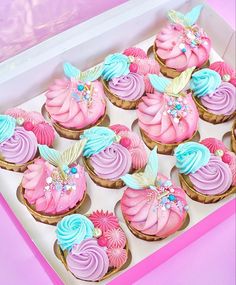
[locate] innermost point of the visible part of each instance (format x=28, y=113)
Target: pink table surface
x=21, y=263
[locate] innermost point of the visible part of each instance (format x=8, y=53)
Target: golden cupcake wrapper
x=115, y=100
x=44, y=218
x=233, y=137
x=146, y=237
x=170, y=72
x=210, y=117
x=73, y=134
x=14, y=167
x=162, y=148
x=188, y=187
x=61, y=255
x=117, y=184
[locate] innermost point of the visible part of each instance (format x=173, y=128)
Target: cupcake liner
x=14, y=167
x=116, y=184
x=170, y=72
x=61, y=255
x=210, y=117
x=115, y=100
x=162, y=148
x=73, y=134
x=146, y=237
x=188, y=187
x=233, y=137
x=44, y=218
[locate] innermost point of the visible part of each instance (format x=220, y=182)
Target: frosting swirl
x=128, y=87
x=191, y=156
x=205, y=81
x=7, y=127
x=88, y=261
x=20, y=148
x=112, y=162
x=115, y=65
x=160, y=125
x=226, y=72
x=222, y=100
x=213, y=178
x=44, y=133
x=142, y=209
x=180, y=48
x=73, y=229
x=65, y=109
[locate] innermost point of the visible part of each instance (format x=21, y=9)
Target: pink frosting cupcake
x=182, y=43
x=227, y=73
x=76, y=101
x=168, y=116
x=111, y=153
x=82, y=240
x=152, y=206
x=54, y=185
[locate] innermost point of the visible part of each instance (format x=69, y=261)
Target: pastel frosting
x=115, y=65
x=73, y=229
x=160, y=124
x=218, y=97
x=7, y=127
x=148, y=213
x=135, y=52
x=213, y=178
x=52, y=195
x=226, y=72
x=20, y=148
x=182, y=43
x=128, y=87
x=72, y=108
x=112, y=162
x=87, y=260
x=191, y=156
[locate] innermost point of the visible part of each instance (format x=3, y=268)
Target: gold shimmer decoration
x=210, y=117
x=44, y=218
x=115, y=100
x=233, y=137
x=73, y=134
x=188, y=187
x=61, y=255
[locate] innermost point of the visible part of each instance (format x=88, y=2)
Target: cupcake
x=182, y=44
x=168, y=116
x=20, y=134
x=214, y=98
x=76, y=102
x=54, y=185
x=92, y=248
x=233, y=137
x=143, y=65
x=207, y=170
x=227, y=73
x=124, y=87
x=152, y=206
x=110, y=153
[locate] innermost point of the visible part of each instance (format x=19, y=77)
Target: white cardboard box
x=28, y=74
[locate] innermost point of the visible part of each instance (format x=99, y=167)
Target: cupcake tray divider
x=43, y=235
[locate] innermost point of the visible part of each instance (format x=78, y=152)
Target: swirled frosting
x=128, y=87
x=180, y=47
x=213, y=178
x=44, y=133
x=20, y=148
x=48, y=193
x=191, y=156
x=88, y=261
x=135, y=52
x=112, y=162
x=222, y=100
x=205, y=81
x=73, y=229
x=147, y=213
x=115, y=65
x=66, y=108
x=159, y=123
x=226, y=72
x=7, y=127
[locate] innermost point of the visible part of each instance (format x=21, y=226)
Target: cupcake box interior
x=24, y=78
